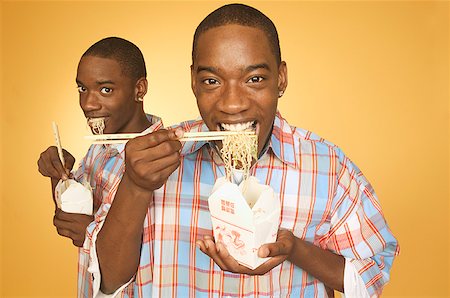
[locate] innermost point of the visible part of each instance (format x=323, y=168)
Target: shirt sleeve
x=90, y=243
x=93, y=267
x=354, y=286
x=359, y=231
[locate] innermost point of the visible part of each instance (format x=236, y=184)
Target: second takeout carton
x=74, y=197
x=244, y=217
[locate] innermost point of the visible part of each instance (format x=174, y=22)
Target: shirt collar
x=118, y=149
x=281, y=143
x=196, y=125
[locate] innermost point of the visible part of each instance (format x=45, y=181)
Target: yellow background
x=372, y=77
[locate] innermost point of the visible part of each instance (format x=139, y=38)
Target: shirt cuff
x=94, y=268
x=354, y=286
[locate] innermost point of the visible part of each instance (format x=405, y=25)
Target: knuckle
x=140, y=171
x=129, y=147
x=166, y=147
x=155, y=178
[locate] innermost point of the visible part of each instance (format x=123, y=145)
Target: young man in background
x=112, y=83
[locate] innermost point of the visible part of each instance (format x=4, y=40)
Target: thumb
x=273, y=249
x=176, y=133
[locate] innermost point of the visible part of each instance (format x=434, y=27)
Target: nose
x=89, y=102
x=233, y=100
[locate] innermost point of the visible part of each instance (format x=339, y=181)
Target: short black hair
x=239, y=14
x=126, y=53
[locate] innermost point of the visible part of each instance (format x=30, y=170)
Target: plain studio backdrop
x=371, y=77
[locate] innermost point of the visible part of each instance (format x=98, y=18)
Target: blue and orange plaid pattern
x=102, y=167
x=325, y=200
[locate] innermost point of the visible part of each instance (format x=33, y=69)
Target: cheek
x=205, y=106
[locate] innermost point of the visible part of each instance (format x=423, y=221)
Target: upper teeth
x=237, y=126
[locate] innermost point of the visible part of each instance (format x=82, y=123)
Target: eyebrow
x=247, y=69
x=257, y=66
x=207, y=68
x=98, y=82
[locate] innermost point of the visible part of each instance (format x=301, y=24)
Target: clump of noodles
x=97, y=125
x=238, y=151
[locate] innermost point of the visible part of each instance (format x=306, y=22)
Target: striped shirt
x=102, y=167
x=324, y=198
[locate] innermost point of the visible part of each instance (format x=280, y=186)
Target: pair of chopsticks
x=188, y=136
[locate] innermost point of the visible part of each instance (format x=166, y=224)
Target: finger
x=69, y=161
x=178, y=133
x=273, y=250
x=229, y=261
x=165, y=162
x=162, y=155
x=151, y=176
x=42, y=168
x=61, y=224
x=282, y=246
x=64, y=232
x=72, y=217
x=201, y=245
x=45, y=165
x=78, y=243
x=57, y=165
x=268, y=265
x=211, y=251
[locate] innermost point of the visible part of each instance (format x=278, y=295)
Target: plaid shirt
x=325, y=200
x=103, y=167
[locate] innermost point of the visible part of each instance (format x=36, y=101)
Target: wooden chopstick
x=58, y=142
x=188, y=136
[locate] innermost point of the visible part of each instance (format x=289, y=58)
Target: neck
x=142, y=123
x=137, y=125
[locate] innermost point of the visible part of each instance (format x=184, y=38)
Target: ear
x=282, y=76
x=193, y=81
x=141, y=87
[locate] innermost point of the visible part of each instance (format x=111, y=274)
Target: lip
x=94, y=116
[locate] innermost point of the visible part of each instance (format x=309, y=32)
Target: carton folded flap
x=74, y=197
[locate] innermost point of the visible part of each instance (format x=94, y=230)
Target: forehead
x=99, y=67
x=233, y=43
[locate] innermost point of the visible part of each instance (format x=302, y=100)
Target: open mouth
x=96, y=124
x=244, y=126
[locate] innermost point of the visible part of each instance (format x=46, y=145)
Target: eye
x=106, y=90
x=211, y=82
x=255, y=79
x=81, y=89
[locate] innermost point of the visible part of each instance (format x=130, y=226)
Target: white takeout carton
x=74, y=197
x=244, y=217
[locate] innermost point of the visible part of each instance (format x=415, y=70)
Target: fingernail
x=263, y=252
x=197, y=243
x=219, y=246
x=179, y=132
x=64, y=177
